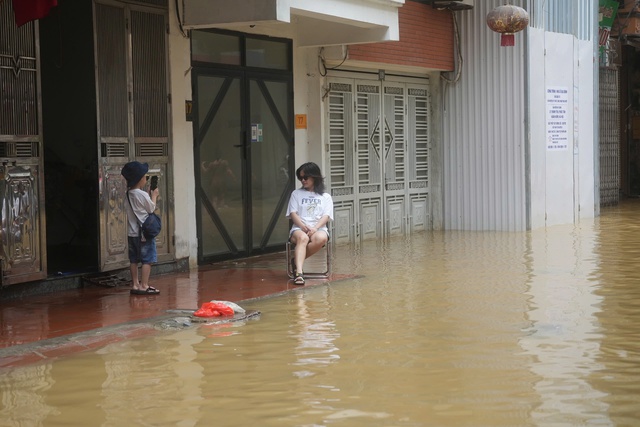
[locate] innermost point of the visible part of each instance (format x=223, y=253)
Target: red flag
x=30, y=10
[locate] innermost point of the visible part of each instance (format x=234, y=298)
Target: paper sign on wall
x=256, y=132
x=557, y=119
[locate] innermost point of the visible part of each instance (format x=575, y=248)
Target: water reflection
x=565, y=333
x=445, y=328
x=316, y=334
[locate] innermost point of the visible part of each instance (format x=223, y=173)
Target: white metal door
x=378, y=164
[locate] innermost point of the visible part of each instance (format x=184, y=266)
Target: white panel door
x=378, y=163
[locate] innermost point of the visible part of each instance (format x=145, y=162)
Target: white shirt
x=142, y=207
x=310, y=207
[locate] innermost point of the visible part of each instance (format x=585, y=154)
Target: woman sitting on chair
x=310, y=209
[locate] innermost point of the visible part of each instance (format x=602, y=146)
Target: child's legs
x=145, y=253
x=146, y=272
x=134, y=275
x=148, y=255
x=134, y=259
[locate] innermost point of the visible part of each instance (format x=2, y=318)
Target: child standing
x=139, y=205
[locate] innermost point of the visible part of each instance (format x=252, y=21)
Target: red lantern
x=507, y=20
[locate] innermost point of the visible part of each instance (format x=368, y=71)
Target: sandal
x=299, y=280
x=149, y=291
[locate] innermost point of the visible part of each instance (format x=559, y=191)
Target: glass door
x=270, y=148
x=244, y=142
x=221, y=152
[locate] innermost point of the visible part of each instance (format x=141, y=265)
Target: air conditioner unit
x=453, y=5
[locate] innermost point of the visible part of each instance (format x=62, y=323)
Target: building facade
x=418, y=119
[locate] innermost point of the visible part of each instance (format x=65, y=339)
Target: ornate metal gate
x=22, y=233
x=133, y=116
x=378, y=158
x=609, y=137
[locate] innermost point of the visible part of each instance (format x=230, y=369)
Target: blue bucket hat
x=133, y=172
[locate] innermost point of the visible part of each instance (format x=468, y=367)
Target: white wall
x=587, y=138
x=184, y=203
x=498, y=172
x=307, y=100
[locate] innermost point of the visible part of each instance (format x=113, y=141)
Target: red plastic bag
x=214, y=309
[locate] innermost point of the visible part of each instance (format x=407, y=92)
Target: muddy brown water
x=443, y=329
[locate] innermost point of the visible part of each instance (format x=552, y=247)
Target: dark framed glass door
x=243, y=132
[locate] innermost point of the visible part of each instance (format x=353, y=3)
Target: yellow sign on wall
x=301, y=121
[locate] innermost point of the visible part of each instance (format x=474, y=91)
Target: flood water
x=442, y=329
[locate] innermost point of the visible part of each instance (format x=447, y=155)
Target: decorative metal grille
x=149, y=74
x=609, y=137
x=115, y=150
x=419, y=125
x=369, y=188
x=340, y=87
x=418, y=184
x=152, y=150
x=19, y=149
x=395, y=186
x=368, y=140
x=418, y=92
x=341, y=191
x=395, y=145
x=340, y=139
x=368, y=89
x=18, y=76
x=113, y=98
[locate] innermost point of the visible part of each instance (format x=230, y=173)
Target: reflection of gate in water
x=22, y=241
x=378, y=158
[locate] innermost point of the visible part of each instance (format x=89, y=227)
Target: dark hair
x=312, y=170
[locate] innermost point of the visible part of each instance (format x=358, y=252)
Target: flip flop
x=149, y=291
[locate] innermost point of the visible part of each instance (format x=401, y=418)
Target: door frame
x=349, y=205
x=246, y=75
x=23, y=248
x=115, y=151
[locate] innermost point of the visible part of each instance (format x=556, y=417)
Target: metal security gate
x=243, y=143
x=609, y=137
x=133, y=116
x=378, y=165
x=22, y=243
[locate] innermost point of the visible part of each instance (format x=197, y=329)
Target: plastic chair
x=309, y=274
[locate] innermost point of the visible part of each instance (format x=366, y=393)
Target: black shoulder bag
x=151, y=226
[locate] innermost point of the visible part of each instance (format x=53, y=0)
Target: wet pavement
x=64, y=322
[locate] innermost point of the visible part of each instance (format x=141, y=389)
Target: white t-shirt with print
x=310, y=207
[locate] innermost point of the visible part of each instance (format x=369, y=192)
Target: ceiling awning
x=311, y=22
